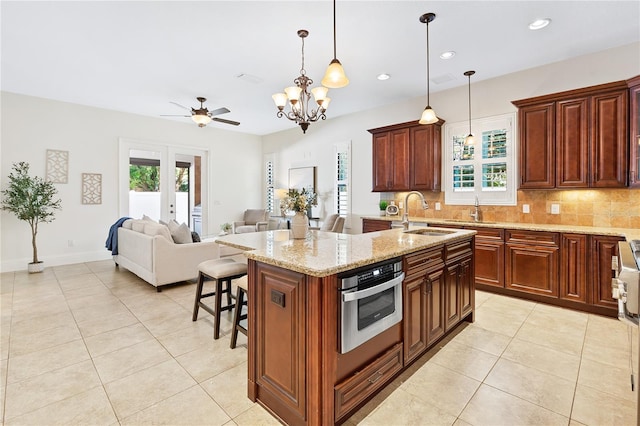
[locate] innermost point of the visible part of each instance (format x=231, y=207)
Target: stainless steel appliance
x=625, y=288
x=371, y=302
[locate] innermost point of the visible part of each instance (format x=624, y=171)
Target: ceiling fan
x=202, y=116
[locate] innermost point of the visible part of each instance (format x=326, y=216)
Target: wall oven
x=371, y=302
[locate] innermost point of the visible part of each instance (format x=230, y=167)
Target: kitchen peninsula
x=296, y=368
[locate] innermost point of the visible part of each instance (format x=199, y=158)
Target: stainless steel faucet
x=476, y=214
x=405, y=216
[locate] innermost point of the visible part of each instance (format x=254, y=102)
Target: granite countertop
x=327, y=253
x=628, y=233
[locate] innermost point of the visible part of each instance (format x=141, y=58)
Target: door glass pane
x=182, y=192
x=494, y=144
x=463, y=178
x=144, y=184
x=494, y=177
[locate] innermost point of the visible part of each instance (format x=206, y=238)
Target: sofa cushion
x=127, y=224
x=245, y=228
x=138, y=225
x=181, y=233
x=152, y=229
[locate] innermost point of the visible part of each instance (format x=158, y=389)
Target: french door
x=163, y=182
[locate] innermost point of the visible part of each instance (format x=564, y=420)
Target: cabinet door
x=415, y=316
x=452, y=296
x=426, y=158
x=572, y=143
x=382, y=161
x=372, y=225
x=602, y=250
x=634, y=132
x=573, y=268
x=489, y=265
x=435, y=305
x=537, y=157
x=532, y=269
x=467, y=288
x=400, y=171
x=609, y=146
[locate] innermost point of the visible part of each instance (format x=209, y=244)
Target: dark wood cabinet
x=373, y=225
x=435, y=299
x=575, y=139
x=603, y=249
x=489, y=256
x=458, y=282
x=390, y=160
x=407, y=156
x=537, y=154
x=573, y=267
x=532, y=261
x=634, y=131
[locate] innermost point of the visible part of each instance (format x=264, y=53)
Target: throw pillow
x=147, y=218
x=138, y=225
x=195, y=237
x=181, y=233
x=153, y=229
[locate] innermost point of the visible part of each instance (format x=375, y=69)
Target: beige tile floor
x=89, y=344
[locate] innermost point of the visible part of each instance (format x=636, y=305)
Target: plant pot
x=383, y=212
x=299, y=225
x=35, y=268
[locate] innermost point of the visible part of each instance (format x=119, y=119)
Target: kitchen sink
x=467, y=221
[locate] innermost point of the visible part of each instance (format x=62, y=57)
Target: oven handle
x=357, y=295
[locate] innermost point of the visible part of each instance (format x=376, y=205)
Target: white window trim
x=343, y=147
x=270, y=158
x=499, y=198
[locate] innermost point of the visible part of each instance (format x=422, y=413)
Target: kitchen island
x=295, y=366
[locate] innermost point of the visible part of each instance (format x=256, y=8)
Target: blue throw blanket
x=112, y=239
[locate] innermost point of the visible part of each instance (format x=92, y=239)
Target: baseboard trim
x=65, y=259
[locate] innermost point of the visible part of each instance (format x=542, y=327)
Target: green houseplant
x=31, y=199
x=383, y=207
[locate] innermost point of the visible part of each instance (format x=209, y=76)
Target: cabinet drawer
x=423, y=260
x=533, y=238
x=373, y=225
x=487, y=234
x=356, y=389
x=458, y=248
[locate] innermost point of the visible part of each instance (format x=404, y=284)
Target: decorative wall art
x=91, y=188
x=57, y=166
x=303, y=178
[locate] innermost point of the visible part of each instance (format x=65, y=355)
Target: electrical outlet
x=555, y=208
x=525, y=208
x=401, y=204
x=438, y=206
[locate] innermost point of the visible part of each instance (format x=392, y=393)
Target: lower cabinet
x=372, y=225
x=602, y=249
x=573, y=267
x=532, y=261
x=489, y=256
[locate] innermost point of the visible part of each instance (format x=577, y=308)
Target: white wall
x=489, y=97
x=31, y=125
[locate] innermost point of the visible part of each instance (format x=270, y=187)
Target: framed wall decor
x=57, y=166
x=91, y=188
x=303, y=177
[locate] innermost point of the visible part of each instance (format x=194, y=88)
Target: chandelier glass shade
x=469, y=140
x=334, y=77
x=428, y=115
x=298, y=97
x=201, y=119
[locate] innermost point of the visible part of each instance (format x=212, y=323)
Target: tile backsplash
x=618, y=208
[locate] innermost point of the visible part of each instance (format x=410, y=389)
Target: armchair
x=333, y=223
x=254, y=220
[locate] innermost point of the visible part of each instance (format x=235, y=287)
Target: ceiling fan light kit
x=202, y=116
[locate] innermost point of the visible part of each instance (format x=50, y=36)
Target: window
x=486, y=169
x=270, y=180
x=342, y=179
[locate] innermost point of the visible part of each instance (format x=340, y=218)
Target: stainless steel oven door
x=368, y=312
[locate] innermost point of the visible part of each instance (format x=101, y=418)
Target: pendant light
x=335, y=77
x=428, y=115
x=469, y=140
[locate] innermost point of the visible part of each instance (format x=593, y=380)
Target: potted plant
x=31, y=199
x=383, y=207
x=300, y=202
x=225, y=228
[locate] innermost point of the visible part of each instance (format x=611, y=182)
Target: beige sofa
x=254, y=220
x=147, y=249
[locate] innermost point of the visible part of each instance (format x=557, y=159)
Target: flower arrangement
x=226, y=227
x=300, y=201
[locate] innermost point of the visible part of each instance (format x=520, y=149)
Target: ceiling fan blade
x=219, y=111
x=172, y=115
x=181, y=106
x=222, y=120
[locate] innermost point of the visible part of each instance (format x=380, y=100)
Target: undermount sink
x=467, y=221
x=429, y=232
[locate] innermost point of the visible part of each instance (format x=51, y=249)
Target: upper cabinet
x=575, y=139
x=407, y=157
x=634, y=134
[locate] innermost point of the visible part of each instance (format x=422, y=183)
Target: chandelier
x=299, y=97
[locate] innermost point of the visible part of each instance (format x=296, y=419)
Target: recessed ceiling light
x=539, y=24
x=447, y=55
x=383, y=77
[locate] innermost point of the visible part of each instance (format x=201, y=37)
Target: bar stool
x=222, y=271
x=242, y=297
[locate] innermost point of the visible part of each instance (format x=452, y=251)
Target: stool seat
x=222, y=271
x=242, y=297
